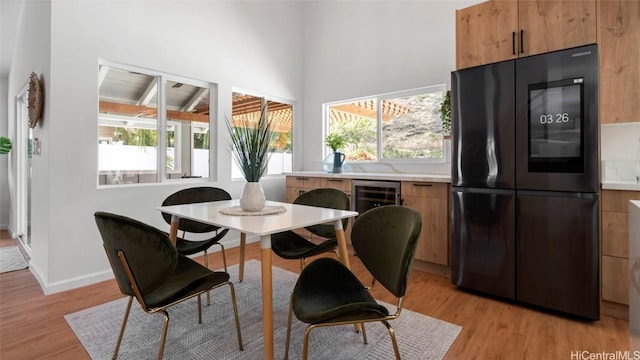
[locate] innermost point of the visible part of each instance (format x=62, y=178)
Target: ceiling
x=130, y=94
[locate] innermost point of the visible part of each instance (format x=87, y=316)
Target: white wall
x=361, y=48
x=4, y=159
x=249, y=45
x=33, y=55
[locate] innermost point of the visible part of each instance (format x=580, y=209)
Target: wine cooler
x=368, y=194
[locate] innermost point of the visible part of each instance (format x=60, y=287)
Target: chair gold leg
x=199, y=310
x=206, y=264
x=286, y=346
x=124, y=324
x=305, y=347
x=224, y=257
x=164, y=333
x=235, y=314
x=393, y=339
x=364, y=333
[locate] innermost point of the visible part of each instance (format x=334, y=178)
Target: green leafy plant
x=445, y=113
x=5, y=145
x=335, y=141
x=251, y=144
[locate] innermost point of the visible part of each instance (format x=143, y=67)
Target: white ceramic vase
x=252, y=198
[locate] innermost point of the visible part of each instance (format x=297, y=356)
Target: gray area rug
x=11, y=259
x=419, y=336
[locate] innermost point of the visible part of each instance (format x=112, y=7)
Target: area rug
x=419, y=336
x=11, y=259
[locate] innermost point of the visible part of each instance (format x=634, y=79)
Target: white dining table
x=294, y=217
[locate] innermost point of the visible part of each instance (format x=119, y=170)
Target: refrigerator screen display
x=555, y=127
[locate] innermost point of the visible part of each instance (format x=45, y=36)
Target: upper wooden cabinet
x=619, y=51
x=499, y=30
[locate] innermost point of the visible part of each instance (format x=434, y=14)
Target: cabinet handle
x=521, y=41
x=423, y=185
x=300, y=192
x=302, y=178
x=513, y=42
x=335, y=180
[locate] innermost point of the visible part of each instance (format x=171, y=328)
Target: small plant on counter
x=335, y=141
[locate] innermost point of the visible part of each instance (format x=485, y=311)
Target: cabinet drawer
x=615, y=234
x=424, y=189
x=338, y=183
x=615, y=279
x=618, y=200
x=304, y=182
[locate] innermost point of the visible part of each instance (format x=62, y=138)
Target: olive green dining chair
x=327, y=293
x=148, y=267
x=192, y=246
x=290, y=245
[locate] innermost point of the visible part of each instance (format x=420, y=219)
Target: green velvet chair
x=327, y=293
x=292, y=246
x=148, y=267
x=197, y=195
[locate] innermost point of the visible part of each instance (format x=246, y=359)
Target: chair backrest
x=149, y=252
x=191, y=196
x=385, y=239
x=328, y=198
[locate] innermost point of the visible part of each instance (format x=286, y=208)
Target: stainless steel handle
x=423, y=185
x=335, y=180
x=302, y=178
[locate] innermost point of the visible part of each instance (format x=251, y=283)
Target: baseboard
x=89, y=279
x=613, y=309
x=432, y=268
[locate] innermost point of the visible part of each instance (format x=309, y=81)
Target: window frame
x=162, y=78
x=379, y=124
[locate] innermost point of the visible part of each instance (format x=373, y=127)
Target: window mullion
x=379, y=128
x=161, y=116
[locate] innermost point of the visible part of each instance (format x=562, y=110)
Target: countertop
x=376, y=176
x=621, y=185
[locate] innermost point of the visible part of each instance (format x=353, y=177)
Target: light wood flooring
x=32, y=325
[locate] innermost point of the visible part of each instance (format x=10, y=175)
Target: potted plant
x=445, y=114
x=250, y=139
x=336, y=141
x=5, y=145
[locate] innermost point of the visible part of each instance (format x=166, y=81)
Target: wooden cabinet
x=296, y=185
x=431, y=201
x=499, y=30
x=615, y=250
x=619, y=52
x=485, y=33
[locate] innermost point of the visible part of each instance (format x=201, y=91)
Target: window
x=146, y=119
x=399, y=125
x=281, y=115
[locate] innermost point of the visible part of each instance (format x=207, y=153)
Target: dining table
x=276, y=217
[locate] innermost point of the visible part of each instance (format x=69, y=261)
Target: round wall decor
x=34, y=100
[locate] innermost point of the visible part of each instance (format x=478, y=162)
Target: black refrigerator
x=524, y=214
